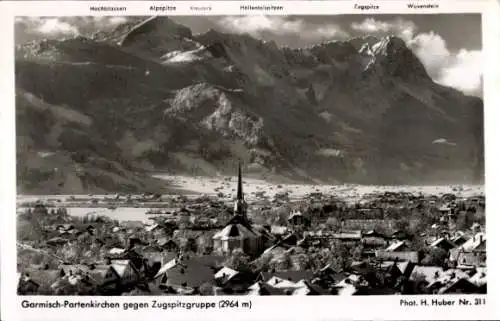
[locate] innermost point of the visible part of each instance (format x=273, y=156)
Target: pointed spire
x=240, y=183
x=240, y=207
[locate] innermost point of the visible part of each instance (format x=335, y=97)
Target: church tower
x=240, y=206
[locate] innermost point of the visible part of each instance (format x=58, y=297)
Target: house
x=35, y=281
x=183, y=216
x=400, y=235
x=225, y=274
x=277, y=249
x=297, y=219
x=459, y=286
x=365, y=224
x=125, y=270
x=444, y=280
x=400, y=256
x=470, y=259
x=186, y=274
x=279, y=230
x=391, y=272
x=40, y=209
x=91, y=229
x=476, y=228
x=445, y=210
x=106, y=277
x=161, y=275
x=65, y=228
x=116, y=251
x=406, y=267
x=289, y=276
x=132, y=225
x=373, y=239
x=261, y=288
x=451, y=281
x=459, y=239
x=350, y=285
x=291, y=239
x=479, y=279
x=130, y=255
x=57, y=241
x=268, y=237
x=26, y=285
x=155, y=230
x=168, y=245
x=472, y=252
x=398, y=246
x=306, y=288
x=286, y=286
x=353, y=237
x=232, y=281
x=476, y=243
x=117, y=229
x=73, y=269
x=155, y=255
x=443, y=243
x=327, y=277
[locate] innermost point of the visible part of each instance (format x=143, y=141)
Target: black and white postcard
x=337, y=159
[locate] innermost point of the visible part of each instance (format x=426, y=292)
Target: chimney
x=480, y=238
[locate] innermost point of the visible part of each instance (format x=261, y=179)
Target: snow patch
x=330, y=152
x=186, y=56
x=444, y=141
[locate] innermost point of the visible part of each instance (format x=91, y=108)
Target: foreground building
x=239, y=233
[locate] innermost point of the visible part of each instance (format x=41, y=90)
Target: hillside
x=151, y=96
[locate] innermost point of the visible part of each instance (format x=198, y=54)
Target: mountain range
x=100, y=112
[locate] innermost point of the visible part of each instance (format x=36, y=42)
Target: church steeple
x=239, y=196
x=240, y=206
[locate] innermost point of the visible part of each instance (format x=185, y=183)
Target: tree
x=206, y=289
x=357, y=253
x=435, y=256
x=282, y=262
x=333, y=224
x=418, y=284
x=238, y=261
x=402, y=224
x=188, y=244
x=340, y=256
x=262, y=263
x=204, y=245
x=300, y=262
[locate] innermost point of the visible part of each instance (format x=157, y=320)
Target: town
x=385, y=243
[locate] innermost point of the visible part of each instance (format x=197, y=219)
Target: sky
x=449, y=45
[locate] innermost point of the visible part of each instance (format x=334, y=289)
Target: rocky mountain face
x=151, y=96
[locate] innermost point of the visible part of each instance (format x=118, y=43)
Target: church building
x=239, y=233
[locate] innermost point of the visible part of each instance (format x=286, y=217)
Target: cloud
x=34, y=28
x=371, y=25
x=256, y=24
x=464, y=72
x=432, y=50
x=460, y=69
x=117, y=20
x=56, y=27
x=330, y=31
x=402, y=28
x=280, y=26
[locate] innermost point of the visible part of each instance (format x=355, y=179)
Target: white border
x=266, y=308
x=78, y=8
